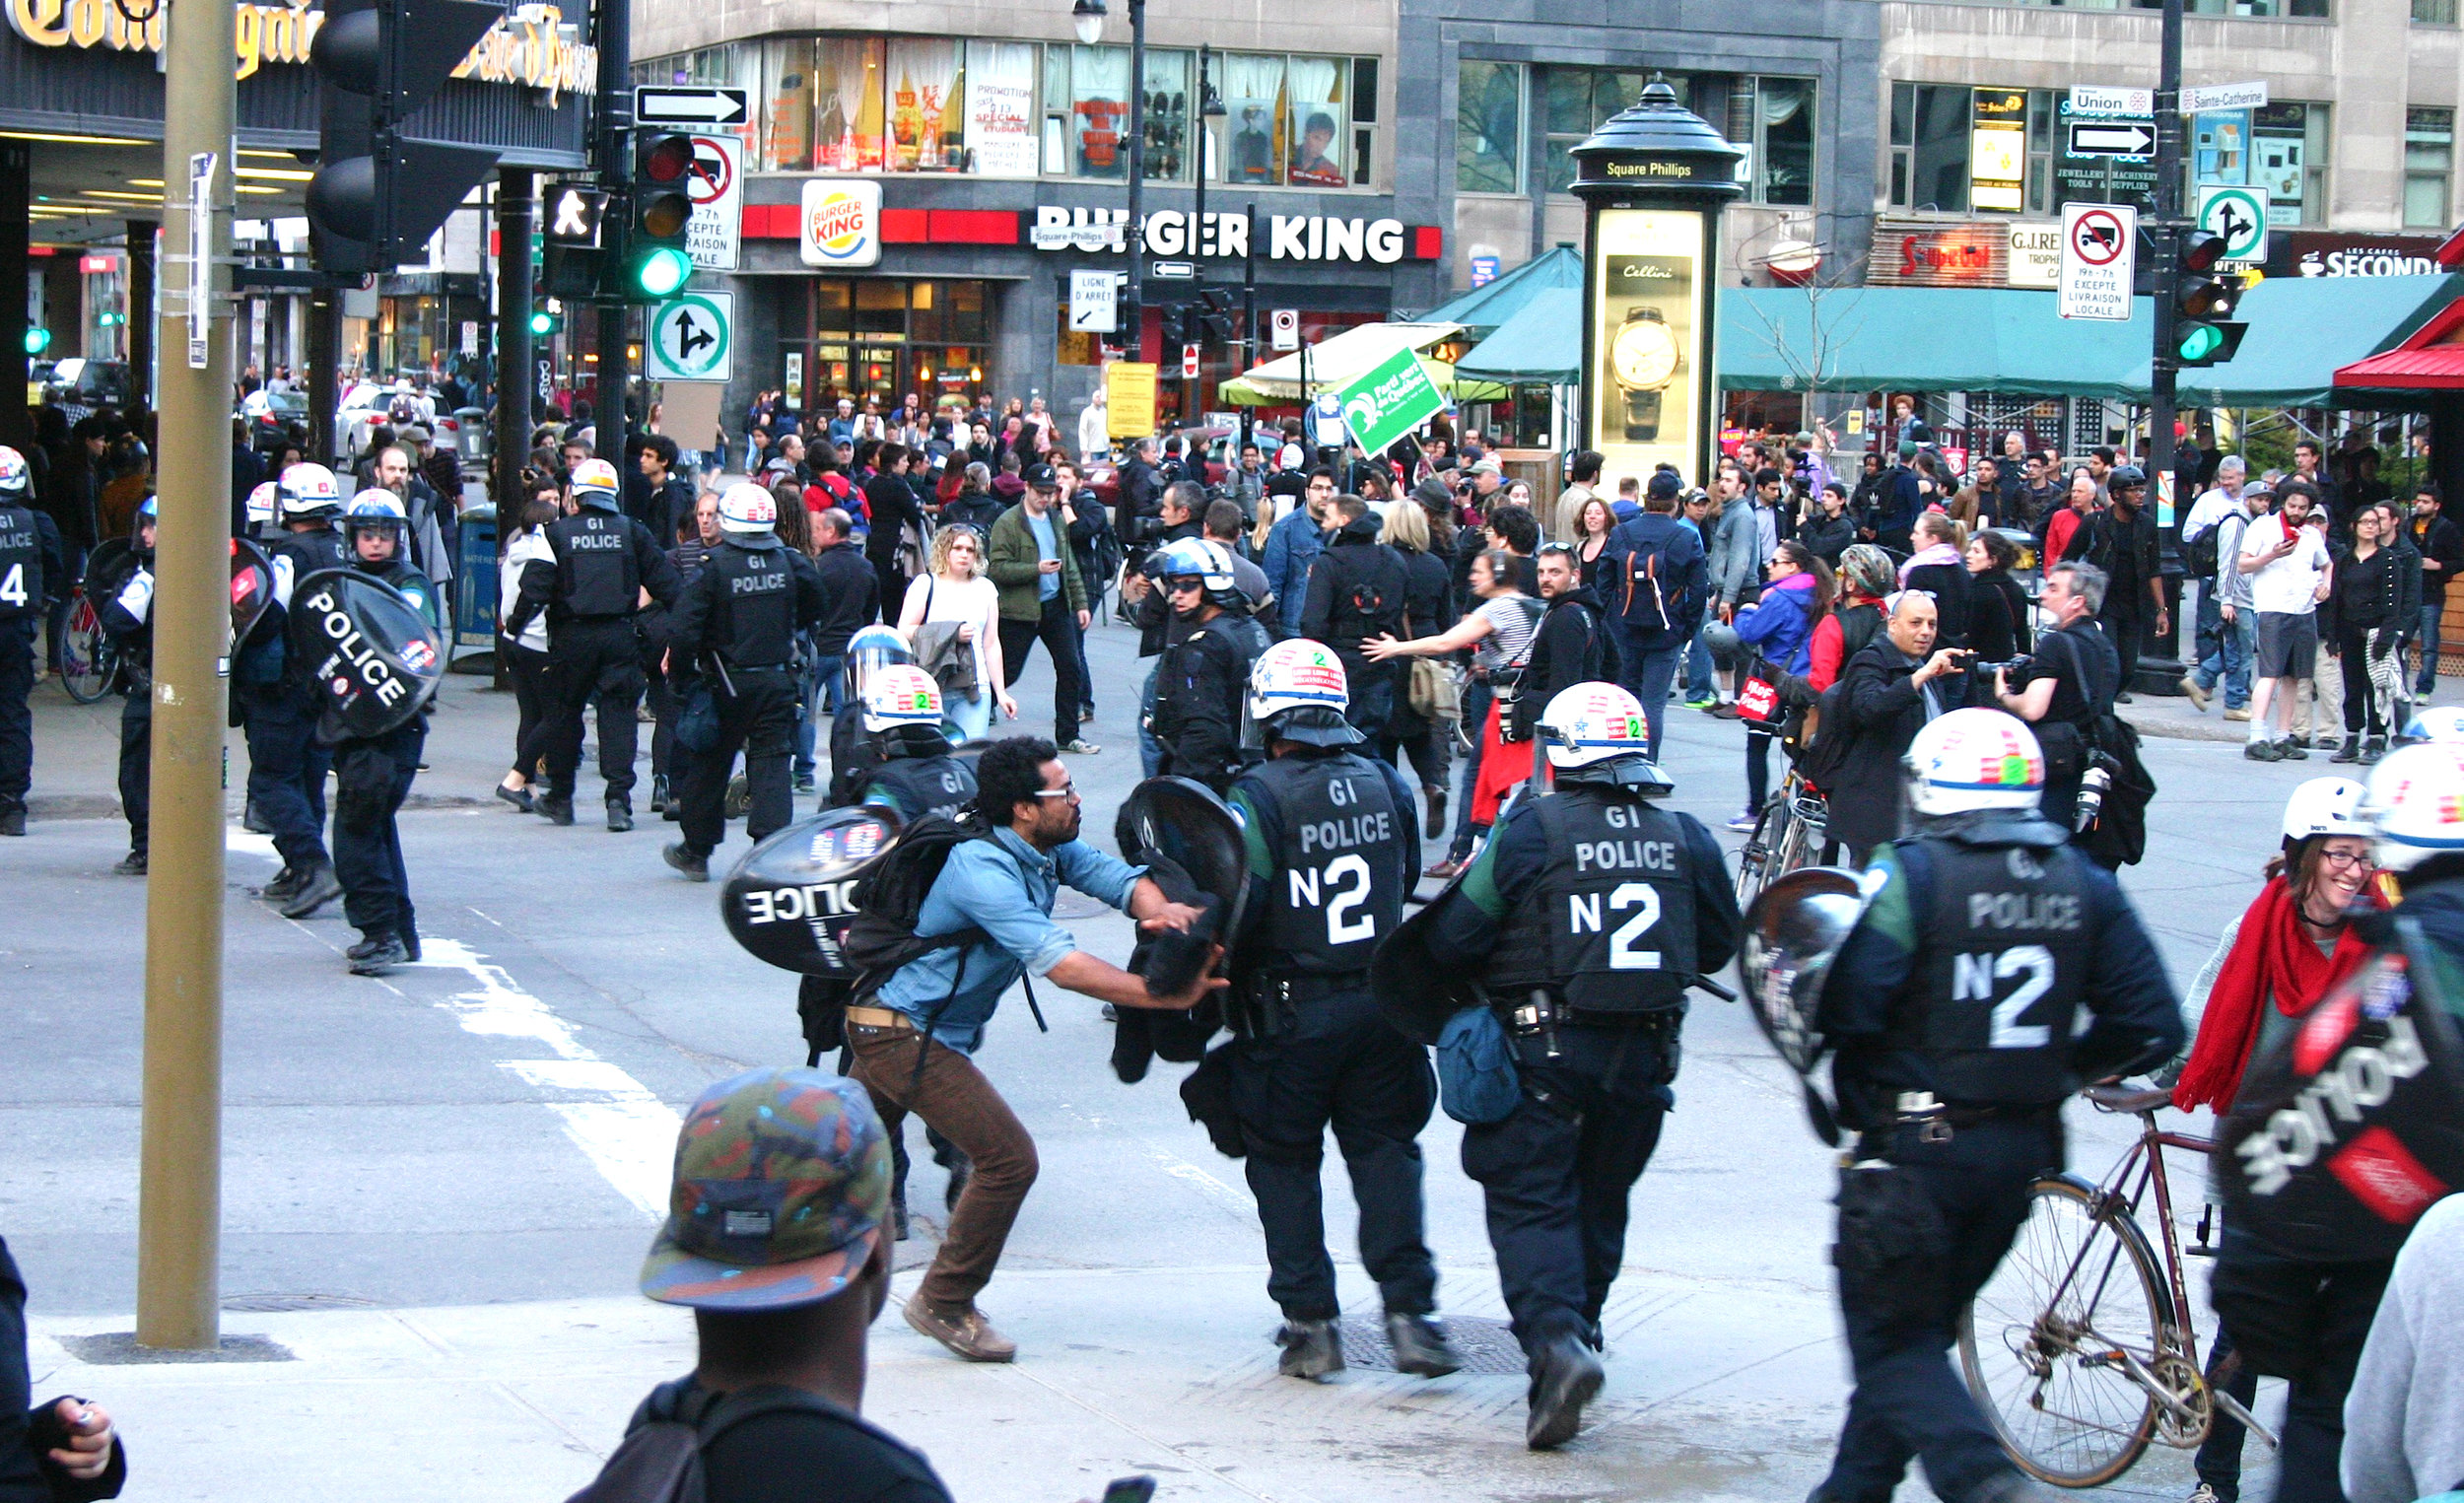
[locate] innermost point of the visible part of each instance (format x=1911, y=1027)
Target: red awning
x=2439, y=368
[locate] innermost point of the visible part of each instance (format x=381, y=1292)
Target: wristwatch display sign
x=1646, y=307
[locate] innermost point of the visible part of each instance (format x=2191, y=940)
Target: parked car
x=368, y=404
x=79, y=385
x=271, y=417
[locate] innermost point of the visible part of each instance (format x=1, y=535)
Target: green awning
x=1927, y=339
x=1542, y=342
x=2303, y=329
x=1490, y=306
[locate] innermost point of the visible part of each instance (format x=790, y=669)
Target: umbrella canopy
x=1542, y=341
x=1338, y=361
x=1491, y=307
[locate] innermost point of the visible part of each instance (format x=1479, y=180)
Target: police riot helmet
x=2414, y=805
x=902, y=708
x=16, y=477
x=870, y=651
x=1974, y=759
x=595, y=484
x=263, y=502
x=745, y=510
x=2438, y=723
x=1297, y=692
x=309, y=493
x=1208, y=563
x=148, y=511
x=375, y=510
x=1597, y=733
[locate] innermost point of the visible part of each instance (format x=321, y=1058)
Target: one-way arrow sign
x=2110, y=139
x=665, y=105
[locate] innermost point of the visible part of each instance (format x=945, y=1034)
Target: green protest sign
x=1389, y=400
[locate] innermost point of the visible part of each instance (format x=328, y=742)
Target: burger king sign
x=841, y=223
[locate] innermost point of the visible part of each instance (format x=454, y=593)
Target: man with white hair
x=2212, y=509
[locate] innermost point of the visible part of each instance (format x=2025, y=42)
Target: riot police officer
x=854, y=750
x=1586, y=916
x=1951, y=1004
x=277, y=704
x=127, y=614
x=591, y=590
x=1332, y=854
x=737, y=628
x=1200, y=677
x=911, y=772
x=372, y=773
x=30, y=572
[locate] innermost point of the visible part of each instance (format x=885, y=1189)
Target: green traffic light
x=2199, y=341
x=662, y=271
x=37, y=340
x=543, y=324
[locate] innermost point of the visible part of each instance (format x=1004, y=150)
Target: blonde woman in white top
x=957, y=592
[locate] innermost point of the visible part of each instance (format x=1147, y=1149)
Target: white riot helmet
x=16, y=478
x=595, y=484
x=377, y=511
x=1974, y=759
x=309, y=493
x=745, y=510
x=870, y=651
x=2415, y=805
x=1297, y=691
x=899, y=695
x=263, y=502
x=2438, y=723
x=1208, y=563
x=2324, y=806
x=1597, y=731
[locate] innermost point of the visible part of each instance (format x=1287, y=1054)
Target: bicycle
x=2079, y=1353
x=1789, y=833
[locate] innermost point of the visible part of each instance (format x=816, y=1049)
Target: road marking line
x=626, y=1132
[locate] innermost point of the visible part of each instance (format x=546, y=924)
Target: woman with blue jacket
x=1779, y=627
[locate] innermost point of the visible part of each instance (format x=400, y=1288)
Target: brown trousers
x=950, y=1094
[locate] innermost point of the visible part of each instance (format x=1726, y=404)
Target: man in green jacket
x=1043, y=600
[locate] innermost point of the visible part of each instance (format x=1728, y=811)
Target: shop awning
x=1542, y=342
x=2429, y=359
x=1925, y=339
x=1337, y=360
x=1494, y=305
x=2305, y=330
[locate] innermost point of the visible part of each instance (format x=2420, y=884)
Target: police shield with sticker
x=276, y=697
x=368, y=635
x=31, y=570
x=1332, y=853
x=1951, y=1011
x=1585, y=920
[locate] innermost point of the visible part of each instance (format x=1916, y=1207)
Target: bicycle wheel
x=1754, y=862
x=88, y=661
x=2042, y=1343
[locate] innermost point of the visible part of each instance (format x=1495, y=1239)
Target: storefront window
x=2434, y=12
x=882, y=337
x=1001, y=109
x=1319, y=122
x=2288, y=157
x=1364, y=118
x=2428, y=154
x=1488, y=128
x=1099, y=112
x=1578, y=102
x=1168, y=97
x=927, y=123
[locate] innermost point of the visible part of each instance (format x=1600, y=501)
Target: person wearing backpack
x=965, y=932
x=784, y=1283
x=2068, y=685
x=1357, y=590
x=1654, y=576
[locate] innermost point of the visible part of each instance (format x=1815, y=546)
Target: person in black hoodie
x=1998, y=608
x=892, y=502
x=2441, y=543
x=1159, y=626
x=1572, y=645
x=2375, y=601
x=974, y=506
x=1887, y=692
x=1829, y=530
x=1937, y=569
x=1357, y=590
x=63, y=1451
x=848, y=585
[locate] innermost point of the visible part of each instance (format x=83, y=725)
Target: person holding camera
x=2068, y=684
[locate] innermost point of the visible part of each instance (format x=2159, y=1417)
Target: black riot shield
x=252, y=589
x=1413, y=992
x=369, y=649
x=1794, y=929
x=1190, y=843
x=2354, y=1125
x=1184, y=822
x=791, y=897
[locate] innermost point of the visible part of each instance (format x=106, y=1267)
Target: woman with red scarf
x=2293, y=945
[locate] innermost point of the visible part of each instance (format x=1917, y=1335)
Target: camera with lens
x=2016, y=667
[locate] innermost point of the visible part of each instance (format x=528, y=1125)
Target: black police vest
x=925, y=786
x=2004, y=950
x=596, y=573
x=21, y=564
x=1609, y=926
x=1337, y=884
x=755, y=589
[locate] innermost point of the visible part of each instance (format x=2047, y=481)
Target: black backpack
x=889, y=898
x=660, y=1458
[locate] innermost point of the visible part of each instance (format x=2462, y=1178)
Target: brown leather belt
x=879, y=1017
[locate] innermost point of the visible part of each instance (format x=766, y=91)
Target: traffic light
x=37, y=339
x=546, y=319
x=573, y=221
x=377, y=194
x=1217, y=315
x=655, y=260
x=1191, y=320
x=2204, y=333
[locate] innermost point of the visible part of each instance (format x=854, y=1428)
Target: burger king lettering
x=841, y=223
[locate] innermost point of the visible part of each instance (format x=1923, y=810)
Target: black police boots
x=133, y=865
x=620, y=814
x=1565, y=1378
x=316, y=887
x=693, y=863
x=558, y=807
x=1312, y=1349
x=285, y=883
x=13, y=820
x=659, y=793
x=1419, y=1348
x=377, y=954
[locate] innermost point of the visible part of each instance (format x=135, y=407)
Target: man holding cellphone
x=2289, y=573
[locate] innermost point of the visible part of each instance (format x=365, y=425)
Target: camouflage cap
x=783, y=1180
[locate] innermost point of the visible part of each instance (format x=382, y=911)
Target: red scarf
x=2272, y=955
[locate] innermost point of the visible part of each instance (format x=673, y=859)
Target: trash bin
x=478, y=440
x=474, y=593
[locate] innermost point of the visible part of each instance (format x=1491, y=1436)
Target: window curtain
x=1252, y=103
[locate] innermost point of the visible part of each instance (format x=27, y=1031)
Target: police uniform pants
x=17, y=719
x=1339, y=1064
x=137, y=766
x=593, y=660
x=760, y=718
x=286, y=771
x=1909, y=1402
x=1557, y=1173
x=371, y=777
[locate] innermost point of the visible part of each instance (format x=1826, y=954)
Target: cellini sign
x=841, y=224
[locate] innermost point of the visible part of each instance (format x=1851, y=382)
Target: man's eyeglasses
x=1565, y=550
x=1069, y=791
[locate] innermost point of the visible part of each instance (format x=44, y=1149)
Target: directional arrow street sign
x=663, y=105
x=2112, y=138
x=691, y=339
x=2239, y=216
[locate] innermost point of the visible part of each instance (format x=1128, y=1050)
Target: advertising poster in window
x=788, y=112
x=1000, y=108
x=1316, y=117
x=1997, y=150
x=847, y=80
x=2279, y=136
x=1253, y=103
x=2219, y=148
x=1099, y=110
x=1647, y=341
x=927, y=119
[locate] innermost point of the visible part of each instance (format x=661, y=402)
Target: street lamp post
x=1088, y=17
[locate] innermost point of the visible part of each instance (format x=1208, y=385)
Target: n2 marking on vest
x=1584, y=916
x=1972, y=981
x=1345, y=883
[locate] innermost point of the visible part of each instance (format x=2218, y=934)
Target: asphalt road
x=494, y=1126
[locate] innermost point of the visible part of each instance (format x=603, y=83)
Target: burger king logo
x=841, y=223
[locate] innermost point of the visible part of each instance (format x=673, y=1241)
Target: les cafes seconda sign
x=532, y=45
